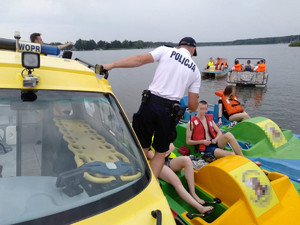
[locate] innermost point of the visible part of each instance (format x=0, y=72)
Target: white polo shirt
x=176, y=72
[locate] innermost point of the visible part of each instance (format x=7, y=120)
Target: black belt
x=162, y=101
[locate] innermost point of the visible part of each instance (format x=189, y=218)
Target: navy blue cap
x=189, y=42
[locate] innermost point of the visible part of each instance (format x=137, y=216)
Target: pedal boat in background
x=212, y=72
x=247, y=78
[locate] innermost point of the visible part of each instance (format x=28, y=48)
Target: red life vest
x=199, y=132
x=261, y=68
x=237, y=67
x=231, y=105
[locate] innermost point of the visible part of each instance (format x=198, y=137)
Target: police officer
x=176, y=72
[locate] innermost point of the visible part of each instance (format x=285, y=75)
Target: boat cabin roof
x=53, y=73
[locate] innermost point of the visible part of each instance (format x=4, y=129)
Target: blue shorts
x=211, y=148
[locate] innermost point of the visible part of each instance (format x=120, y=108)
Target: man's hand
x=207, y=142
x=214, y=141
x=107, y=66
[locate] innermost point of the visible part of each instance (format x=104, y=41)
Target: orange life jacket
x=231, y=105
x=219, y=93
x=261, y=68
x=238, y=67
x=199, y=132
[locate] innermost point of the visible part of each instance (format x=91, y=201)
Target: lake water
x=279, y=101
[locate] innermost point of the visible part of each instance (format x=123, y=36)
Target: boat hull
x=247, y=78
x=213, y=74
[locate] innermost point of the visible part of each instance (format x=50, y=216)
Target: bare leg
x=146, y=151
x=229, y=138
x=239, y=117
x=170, y=177
x=219, y=153
x=185, y=162
x=157, y=163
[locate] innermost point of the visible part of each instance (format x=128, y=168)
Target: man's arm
x=193, y=101
x=129, y=62
x=219, y=132
x=65, y=45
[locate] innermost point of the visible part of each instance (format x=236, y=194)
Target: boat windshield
x=65, y=156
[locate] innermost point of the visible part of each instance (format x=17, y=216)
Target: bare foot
x=199, y=200
x=206, y=209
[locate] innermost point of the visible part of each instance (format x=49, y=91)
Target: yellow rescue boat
x=68, y=154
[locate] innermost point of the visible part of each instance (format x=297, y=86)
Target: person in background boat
x=210, y=63
x=230, y=107
x=167, y=174
x=224, y=65
x=248, y=67
x=176, y=72
x=36, y=38
x=237, y=66
x=258, y=62
x=206, y=136
x=218, y=64
x=261, y=66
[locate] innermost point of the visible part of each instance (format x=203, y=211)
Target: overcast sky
x=156, y=20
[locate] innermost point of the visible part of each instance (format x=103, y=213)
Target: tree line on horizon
x=82, y=45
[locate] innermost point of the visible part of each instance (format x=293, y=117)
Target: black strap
x=237, y=102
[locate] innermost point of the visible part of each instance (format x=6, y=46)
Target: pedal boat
x=260, y=139
x=240, y=192
x=247, y=78
x=213, y=73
